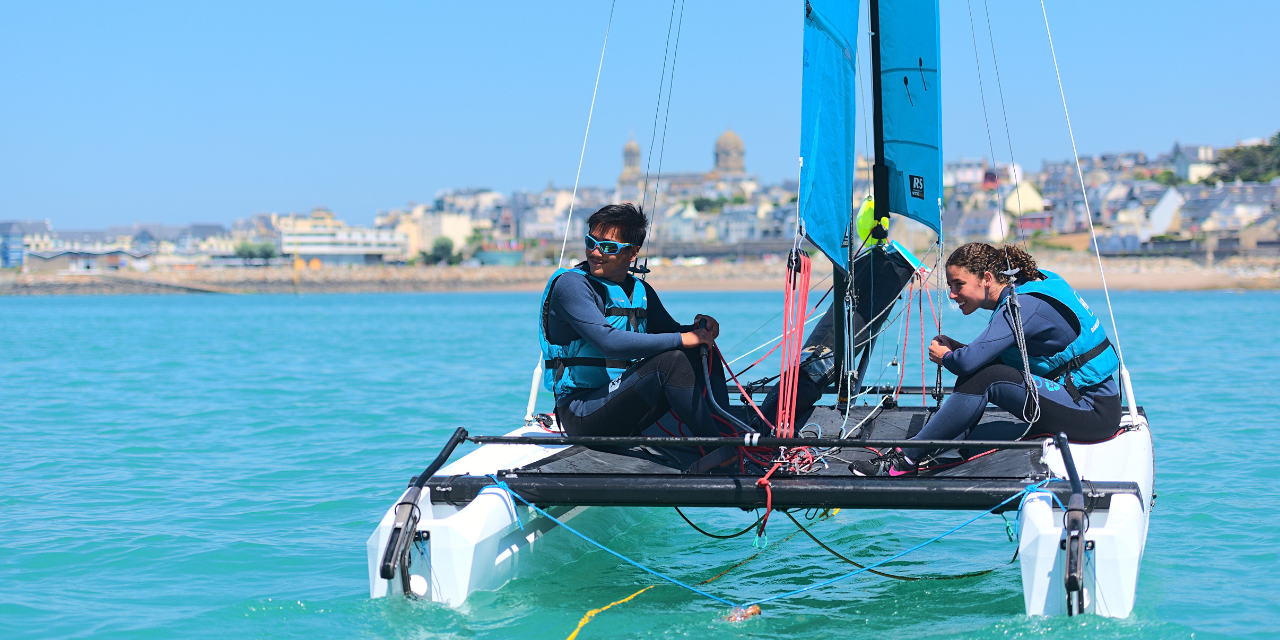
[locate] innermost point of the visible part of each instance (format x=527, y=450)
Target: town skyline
x=1190, y=198
x=175, y=114
x=122, y=226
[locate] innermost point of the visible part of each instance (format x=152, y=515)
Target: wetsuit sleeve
x=1046, y=330
x=577, y=305
x=982, y=351
x=660, y=321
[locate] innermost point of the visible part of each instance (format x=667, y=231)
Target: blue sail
x=911, y=96
x=827, y=125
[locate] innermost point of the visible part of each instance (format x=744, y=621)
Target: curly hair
x=979, y=258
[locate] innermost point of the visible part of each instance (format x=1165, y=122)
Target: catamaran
x=1083, y=507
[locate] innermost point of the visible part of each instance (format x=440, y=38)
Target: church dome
x=729, y=154
x=729, y=142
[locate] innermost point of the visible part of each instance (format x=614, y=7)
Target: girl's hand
x=939, y=348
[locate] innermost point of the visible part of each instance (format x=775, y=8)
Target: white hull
x=482, y=546
x=1119, y=534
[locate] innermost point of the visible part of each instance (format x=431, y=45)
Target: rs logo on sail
x=917, y=187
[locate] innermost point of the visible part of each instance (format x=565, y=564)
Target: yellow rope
x=591, y=614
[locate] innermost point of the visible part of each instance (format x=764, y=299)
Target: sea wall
x=1079, y=269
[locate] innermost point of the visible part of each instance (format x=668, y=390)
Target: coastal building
x=1023, y=199
x=1194, y=162
x=420, y=227
x=11, y=249
x=963, y=171
x=1227, y=207
x=87, y=260
x=322, y=236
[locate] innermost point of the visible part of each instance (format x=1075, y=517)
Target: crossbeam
x=846, y=492
x=753, y=440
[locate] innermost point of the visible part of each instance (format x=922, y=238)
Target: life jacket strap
x=1075, y=364
x=633, y=316
x=1079, y=361
x=560, y=364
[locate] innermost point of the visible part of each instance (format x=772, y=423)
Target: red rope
x=906, y=331
x=768, y=497
x=795, y=304
x=746, y=396
x=920, y=301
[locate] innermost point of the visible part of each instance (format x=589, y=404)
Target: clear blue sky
x=178, y=112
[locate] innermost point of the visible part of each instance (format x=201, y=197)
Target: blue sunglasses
x=607, y=247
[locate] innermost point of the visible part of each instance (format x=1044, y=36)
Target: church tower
x=630, y=161
x=729, y=154
x=629, y=180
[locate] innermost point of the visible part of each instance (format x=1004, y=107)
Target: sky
x=114, y=113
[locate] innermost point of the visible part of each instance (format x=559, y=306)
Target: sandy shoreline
x=1161, y=274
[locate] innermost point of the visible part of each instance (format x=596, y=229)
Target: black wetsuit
x=667, y=378
x=982, y=377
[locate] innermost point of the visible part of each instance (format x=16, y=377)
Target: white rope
x=537, y=370
x=568, y=222
x=813, y=318
x=657, y=107
x=1013, y=164
x=1124, y=372
x=1013, y=308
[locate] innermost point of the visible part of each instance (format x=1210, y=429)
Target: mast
x=879, y=172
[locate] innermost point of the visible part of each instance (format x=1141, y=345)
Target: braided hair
x=979, y=258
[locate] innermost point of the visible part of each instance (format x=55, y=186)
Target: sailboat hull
x=1118, y=534
x=473, y=538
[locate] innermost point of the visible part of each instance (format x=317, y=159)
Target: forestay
x=827, y=125
x=911, y=96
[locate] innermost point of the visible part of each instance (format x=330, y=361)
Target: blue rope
x=504, y=487
x=1036, y=488
x=887, y=560
x=498, y=484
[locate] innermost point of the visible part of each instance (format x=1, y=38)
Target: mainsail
x=827, y=125
x=908, y=95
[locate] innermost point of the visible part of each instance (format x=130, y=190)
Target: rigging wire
x=666, y=118
x=657, y=107
x=1124, y=371
x=569, y=221
x=765, y=324
x=1012, y=306
x=995, y=63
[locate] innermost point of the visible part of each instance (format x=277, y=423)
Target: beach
x=1079, y=269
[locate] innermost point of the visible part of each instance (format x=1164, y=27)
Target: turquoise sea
x=211, y=466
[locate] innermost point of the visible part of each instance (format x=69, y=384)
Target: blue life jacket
x=579, y=365
x=1088, y=360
